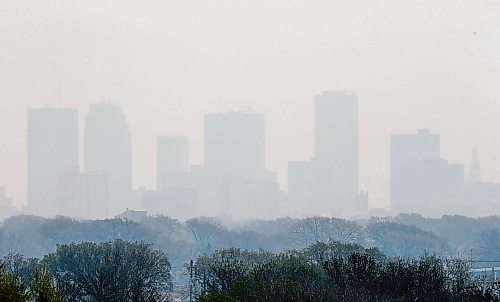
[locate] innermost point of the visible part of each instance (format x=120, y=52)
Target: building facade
x=52, y=147
x=108, y=152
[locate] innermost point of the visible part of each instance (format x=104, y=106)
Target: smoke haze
x=426, y=64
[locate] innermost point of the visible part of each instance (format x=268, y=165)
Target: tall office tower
x=235, y=163
x=235, y=144
x=52, y=146
x=172, y=160
x=108, y=152
x=421, y=181
x=474, y=169
x=303, y=189
x=177, y=195
x=336, y=149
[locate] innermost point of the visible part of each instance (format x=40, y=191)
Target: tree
x=325, y=229
x=43, y=288
x=320, y=251
x=204, y=231
x=112, y=271
x=18, y=265
x=395, y=239
x=285, y=278
x=220, y=272
x=11, y=288
x=489, y=244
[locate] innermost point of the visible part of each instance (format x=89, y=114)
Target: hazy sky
x=414, y=64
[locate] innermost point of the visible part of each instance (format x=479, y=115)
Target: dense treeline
x=336, y=272
x=405, y=235
x=120, y=271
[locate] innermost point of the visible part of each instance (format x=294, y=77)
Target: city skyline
x=153, y=185
x=415, y=65
x=235, y=151
x=164, y=150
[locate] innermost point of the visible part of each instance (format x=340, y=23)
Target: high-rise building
x=421, y=181
x=328, y=184
x=108, y=152
x=52, y=146
x=336, y=130
x=177, y=195
x=336, y=149
x=235, y=180
x=235, y=144
x=303, y=189
x=172, y=162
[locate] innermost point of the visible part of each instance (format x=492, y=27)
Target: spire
x=474, y=168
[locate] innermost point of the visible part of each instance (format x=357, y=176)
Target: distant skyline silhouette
x=413, y=65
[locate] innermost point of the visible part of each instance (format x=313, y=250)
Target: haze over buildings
x=421, y=181
x=416, y=65
x=52, y=148
x=233, y=180
x=108, y=151
x=328, y=183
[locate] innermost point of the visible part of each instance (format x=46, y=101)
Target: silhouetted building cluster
x=56, y=186
x=233, y=179
x=421, y=181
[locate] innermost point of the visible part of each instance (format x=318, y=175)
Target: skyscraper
x=177, y=195
x=108, y=152
x=336, y=149
x=328, y=184
x=235, y=178
x=235, y=144
x=52, y=147
x=172, y=162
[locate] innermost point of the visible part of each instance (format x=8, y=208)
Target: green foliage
x=21, y=267
x=43, y=287
x=216, y=297
x=321, y=251
x=217, y=273
x=39, y=288
x=112, y=271
x=12, y=290
x=335, y=272
x=285, y=278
